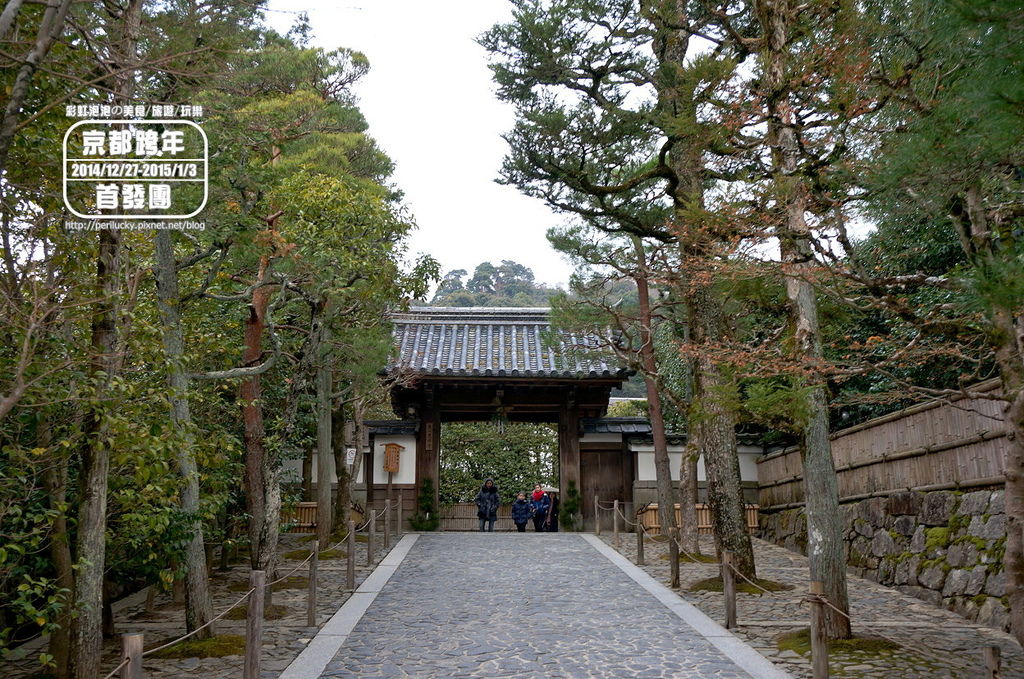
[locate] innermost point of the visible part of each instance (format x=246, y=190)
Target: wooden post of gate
x=639, y=544
x=729, y=590
x=597, y=516
x=254, y=626
x=993, y=662
x=131, y=647
x=371, y=533
x=615, y=523
x=387, y=523
x=311, y=592
x=819, y=642
x=350, y=566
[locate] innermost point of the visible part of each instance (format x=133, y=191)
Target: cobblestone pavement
x=282, y=639
x=934, y=642
x=510, y=605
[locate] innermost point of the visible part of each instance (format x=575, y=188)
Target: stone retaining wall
x=945, y=547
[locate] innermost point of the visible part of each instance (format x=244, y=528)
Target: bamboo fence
x=933, y=446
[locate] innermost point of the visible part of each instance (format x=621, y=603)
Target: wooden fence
x=649, y=518
x=933, y=446
x=462, y=516
x=301, y=518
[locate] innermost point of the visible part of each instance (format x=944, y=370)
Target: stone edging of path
x=748, y=659
x=310, y=663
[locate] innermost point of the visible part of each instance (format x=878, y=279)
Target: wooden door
x=606, y=472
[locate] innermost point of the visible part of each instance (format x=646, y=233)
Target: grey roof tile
x=493, y=342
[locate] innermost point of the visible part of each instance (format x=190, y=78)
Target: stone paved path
x=510, y=605
x=934, y=643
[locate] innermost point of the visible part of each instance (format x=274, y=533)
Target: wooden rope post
x=371, y=533
x=398, y=511
x=615, y=523
x=311, y=592
x=350, y=565
x=387, y=523
x=597, y=516
x=254, y=626
x=819, y=640
x=729, y=589
x=673, y=557
x=131, y=647
x=639, y=545
x=993, y=662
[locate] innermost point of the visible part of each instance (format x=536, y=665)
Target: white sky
x=430, y=103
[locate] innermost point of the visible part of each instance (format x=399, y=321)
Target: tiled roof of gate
x=617, y=425
x=488, y=341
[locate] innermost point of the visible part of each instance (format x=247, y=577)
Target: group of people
x=541, y=508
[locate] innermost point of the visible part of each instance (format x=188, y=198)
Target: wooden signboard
x=392, y=456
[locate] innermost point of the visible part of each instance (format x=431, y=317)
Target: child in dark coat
x=521, y=512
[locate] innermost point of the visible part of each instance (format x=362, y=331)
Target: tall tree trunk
x=1013, y=562
x=92, y=511
x=50, y=28
x=55, y=481
x=343, y=493
x=1008, y=341
x=87, y=627
x=712, y=424
x=324, y=457
x=688, y=533
x=825, y=546
x=715, y=428
x=198, y=605
x=307, y=475
x=262, y=491
x=662, y=467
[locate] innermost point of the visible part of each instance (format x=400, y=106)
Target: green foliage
x=508, y=285
x=777, y=404
x=426, y=517
x=630, y=408
x=569, y=511
x=516, y=455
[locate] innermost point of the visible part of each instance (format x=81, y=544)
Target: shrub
x=426, y=517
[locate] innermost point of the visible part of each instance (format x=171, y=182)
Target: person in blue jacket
x=521, y=512
x=541, y=503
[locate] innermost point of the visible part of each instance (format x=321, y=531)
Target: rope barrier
x=374, y=515
x=810, y=598
x=737, y=572
x=118, y=668
x=289, y=573
x=199, y=629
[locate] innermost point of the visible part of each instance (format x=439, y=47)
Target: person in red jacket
x=541, y=505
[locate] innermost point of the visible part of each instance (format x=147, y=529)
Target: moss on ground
x=715, y=585
x=301, y=554
x=800, y=642
x=335, y=537
x=692, y=558
x=214, y=647
x=291, y=582
x=271, y=612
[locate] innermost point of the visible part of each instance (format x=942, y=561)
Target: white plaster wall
x=407, y=461
x=602, y=438
x=645, y=463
